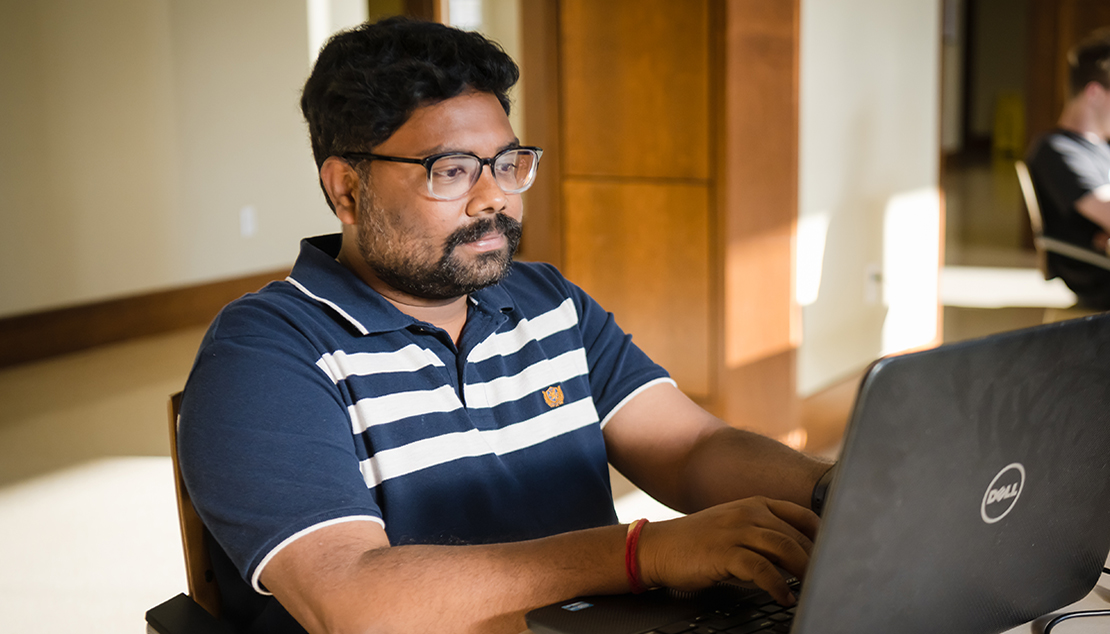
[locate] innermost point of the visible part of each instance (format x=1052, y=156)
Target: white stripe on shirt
x=503, y=344
x=438, y=450
x=340, y=365
x=381, y=410
x=533, y=379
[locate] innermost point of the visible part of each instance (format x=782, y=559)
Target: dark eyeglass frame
x=428, y=161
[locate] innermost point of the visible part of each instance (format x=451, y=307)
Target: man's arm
x=1095, y=206
x=691, y=460
x=1065, y=172
x=347, y=578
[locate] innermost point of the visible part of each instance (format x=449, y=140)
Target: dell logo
x=1003, y=493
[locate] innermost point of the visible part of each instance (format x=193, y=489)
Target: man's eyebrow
x=444, y=149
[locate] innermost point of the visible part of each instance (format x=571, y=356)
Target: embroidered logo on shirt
x=553, y=396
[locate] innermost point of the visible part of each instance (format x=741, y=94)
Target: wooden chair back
x=198, y=563
x=1033, y=208
x=1043, y=243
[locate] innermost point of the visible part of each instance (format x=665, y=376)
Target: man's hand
x=1095, y=206
x=1101, y=242
x=745, y=540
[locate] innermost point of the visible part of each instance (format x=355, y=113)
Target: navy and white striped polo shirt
x=316, y=401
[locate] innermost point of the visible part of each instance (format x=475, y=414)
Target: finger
x=778, y=548
x=795, y=535
x=750, y=566
x=764, y=516
x=797, y=516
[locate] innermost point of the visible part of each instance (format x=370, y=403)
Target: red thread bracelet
x=631, y=566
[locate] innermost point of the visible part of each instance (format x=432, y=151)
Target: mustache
x=510, y=227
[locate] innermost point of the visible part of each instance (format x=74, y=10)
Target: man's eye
x=450, y=172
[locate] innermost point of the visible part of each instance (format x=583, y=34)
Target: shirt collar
x=318, y=275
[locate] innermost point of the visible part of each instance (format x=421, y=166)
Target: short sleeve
x=264, y=440
x=618, y=367
x=1065, y=171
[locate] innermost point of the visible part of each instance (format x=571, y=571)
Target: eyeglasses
x=453, y=174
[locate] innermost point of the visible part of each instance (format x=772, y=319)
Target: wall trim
x=41, y=335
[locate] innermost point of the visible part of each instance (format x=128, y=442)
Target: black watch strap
x=821, y=491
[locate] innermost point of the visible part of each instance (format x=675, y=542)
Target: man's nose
x=486, y=196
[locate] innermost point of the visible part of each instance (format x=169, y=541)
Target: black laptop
x=972, y=495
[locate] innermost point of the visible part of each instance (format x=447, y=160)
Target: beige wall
x=135, y=132
x=869, y=160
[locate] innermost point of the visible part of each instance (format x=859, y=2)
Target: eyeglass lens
x=453, y=176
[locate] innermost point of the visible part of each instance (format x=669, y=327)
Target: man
x=411, y=433
x=1070, y=167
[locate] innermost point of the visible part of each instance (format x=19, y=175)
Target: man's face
x=1102, y=110
x=435, y=249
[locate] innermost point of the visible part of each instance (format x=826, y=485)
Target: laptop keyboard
x=752, y=615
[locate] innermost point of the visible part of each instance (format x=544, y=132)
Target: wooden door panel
x=635, y=88
x=673, y=132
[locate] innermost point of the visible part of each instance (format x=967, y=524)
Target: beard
x=421, y=274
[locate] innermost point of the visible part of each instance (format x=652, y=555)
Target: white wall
x=135, y=132
x=869, y=153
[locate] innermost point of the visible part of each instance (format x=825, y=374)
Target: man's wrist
x=821, y=490
x=631, y=557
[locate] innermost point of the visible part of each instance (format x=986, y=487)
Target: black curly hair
x=1089, y=60
x=368, y=80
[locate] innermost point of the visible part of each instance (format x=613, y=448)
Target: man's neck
x=448, y=314
x=1077, y=117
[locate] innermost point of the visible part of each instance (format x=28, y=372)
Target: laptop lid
x=972, y=495
x=973, y=492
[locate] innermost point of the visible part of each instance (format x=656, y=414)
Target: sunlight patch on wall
x=999, y=287
x=466, y=14
x=325, y=17
x=809, y=256
x=911, y=269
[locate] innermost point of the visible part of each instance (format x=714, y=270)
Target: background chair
x=199, y=611
x=1043, y=243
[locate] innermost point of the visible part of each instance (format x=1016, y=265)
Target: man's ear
x=341, y=182
x=1095, y=91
